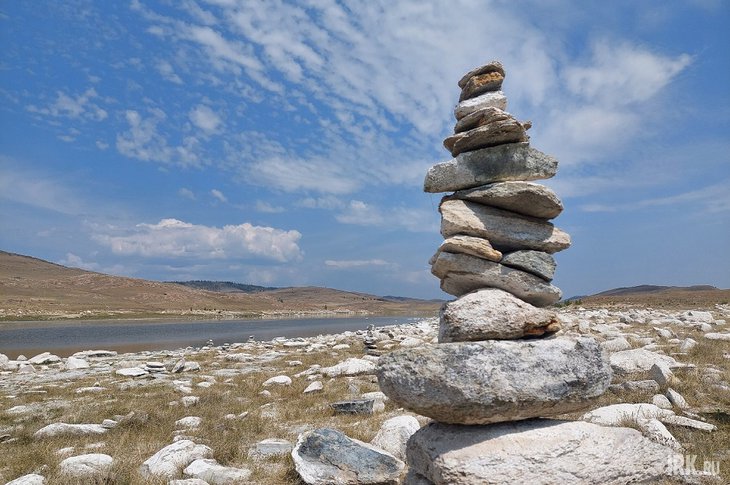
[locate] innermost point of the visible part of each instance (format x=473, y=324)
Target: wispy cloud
x=218, y=195
x=205, y=118
x=37, y=189
x=172, y=238
x=394, y=218
x=186, y=193
x=356, y=263
x=79, y=107
x=267, y=208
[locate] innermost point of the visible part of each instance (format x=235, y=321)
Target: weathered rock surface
x=536, y=262
x=214, y=473
x=495, y=99
x=461, y=274
x=497, y=380
x=327, y=456
x=506, y=231
x=493, y=314
x=481, y=83
x=394, y=434
x=494, y=127
x=73, y=363
x=30, y=479
x=639, y=360
x=349, y=367
x=535, y=452
x=353, y=406
x=492, y=66
x=270, y=447
x=172, y=458
x=514, y=161
x=44, y=358
x=87, y=466
x=64, y=429
x=526, y=198
x=474, y=246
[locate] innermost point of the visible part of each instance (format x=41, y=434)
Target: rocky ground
x=233, y=413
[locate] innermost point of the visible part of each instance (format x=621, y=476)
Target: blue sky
x=285, y=143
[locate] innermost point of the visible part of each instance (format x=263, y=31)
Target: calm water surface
x=64, y=338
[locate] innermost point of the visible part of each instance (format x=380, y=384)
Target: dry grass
x=285, y=414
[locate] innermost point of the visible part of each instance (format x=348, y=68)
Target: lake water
x=65, y=338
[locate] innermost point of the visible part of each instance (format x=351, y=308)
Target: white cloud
x=168, y=72
x=218, y=195
x=143, y=141
x=325, y=202
x=406, y=218
x=267, y=208
x=172, y=238
x=356, y=263
x=37, y=190
x=205, y=118
x=101, y=145
x=75, y=261
x=186, y=193
x=74, y=107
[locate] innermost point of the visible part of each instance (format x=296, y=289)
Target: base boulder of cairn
x=496, y=380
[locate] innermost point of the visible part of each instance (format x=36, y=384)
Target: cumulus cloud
x=172, y=238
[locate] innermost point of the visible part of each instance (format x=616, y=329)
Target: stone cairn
x=498, y=359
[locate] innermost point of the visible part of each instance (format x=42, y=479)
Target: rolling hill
x=32, y=288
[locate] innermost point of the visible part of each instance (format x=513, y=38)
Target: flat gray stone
x=535, y=262
x=535, y=452
x=461, y=274
x=639, y=360
x=526, y=198
x=495, y=99
x=327, y=456
x=495, y=127
x=505, y=230
x=474, y=246
x=514, y=161
x=493, y=314
x=495, y=380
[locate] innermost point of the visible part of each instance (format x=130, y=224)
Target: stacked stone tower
x=498, y=358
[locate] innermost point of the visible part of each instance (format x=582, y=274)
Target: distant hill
x=31, y=288
x=657, y=296
x=224, y=286
x=653, y=289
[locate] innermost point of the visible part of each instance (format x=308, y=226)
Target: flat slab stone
x=474, y=246
x=214, y=473
x=64, y=429
x=526, y=198
x=494, y=127
x=536, y=262
x=639, y=360
x=325, y=456
x=461, y=274
x=495, y=99
x=354, y=406
x=505, y=230
x=492, y=66
x=514, y=161
x=535, y=451
x=496, y=380
x=493, y=314
x=488, y=78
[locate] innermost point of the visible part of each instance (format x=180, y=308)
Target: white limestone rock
x=496, y=380
x=349, y=367
x=493, y=314
x=278, y=381
x=90, y=466
x=535, y=451
x=394, y=433
x=639, y=360
x=168, y=461
x=65, y=429
x=29, y=479
x=214, y=473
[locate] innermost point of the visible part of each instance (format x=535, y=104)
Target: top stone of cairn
x=485, y=78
